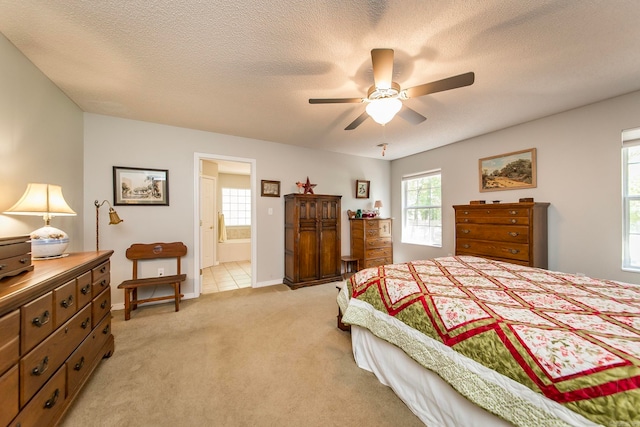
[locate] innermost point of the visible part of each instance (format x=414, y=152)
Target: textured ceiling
x=248, y=67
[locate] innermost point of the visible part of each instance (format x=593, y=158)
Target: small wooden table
x=348, y=263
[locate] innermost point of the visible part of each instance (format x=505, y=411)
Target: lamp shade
x=382, y=110
x=377, y=204
x=44, y=200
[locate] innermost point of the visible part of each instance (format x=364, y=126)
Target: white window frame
x=241, y=200
x=630, y=262
x=407, y=237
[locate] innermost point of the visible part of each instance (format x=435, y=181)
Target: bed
x=470, y=341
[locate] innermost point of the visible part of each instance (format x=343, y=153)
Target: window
x=631, y=199
x=236, y=206
x=422, y=209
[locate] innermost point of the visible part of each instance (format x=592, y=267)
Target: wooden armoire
x=311, y=239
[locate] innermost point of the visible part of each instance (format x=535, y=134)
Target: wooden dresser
x=371, y=241
x=55, y=328
x=511, y=232
x=311, y=239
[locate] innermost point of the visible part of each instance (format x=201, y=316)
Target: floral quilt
x=572, y=339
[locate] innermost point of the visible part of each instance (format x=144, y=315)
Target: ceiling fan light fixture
x=382, y=110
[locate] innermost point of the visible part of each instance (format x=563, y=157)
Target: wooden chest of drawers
x=55, y=327
x=511, y=232
x=371, y=241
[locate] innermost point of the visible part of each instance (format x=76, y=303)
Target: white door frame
x=197, y=287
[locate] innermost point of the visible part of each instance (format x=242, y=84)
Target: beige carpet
x=251, y=357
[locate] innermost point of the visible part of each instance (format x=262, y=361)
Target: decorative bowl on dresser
x=55, y=328
x=511, y=232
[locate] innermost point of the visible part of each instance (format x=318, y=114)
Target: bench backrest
x=148, y=251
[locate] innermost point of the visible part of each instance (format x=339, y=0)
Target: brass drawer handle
x=514, y=234
x=103, y=269
x=103, y=282
x=84, y=324
x=466, y=220
x=80, y=364
x=42, y=320
x=85, y=289
x=465, y=231
x=513, y=212
x=105, y=330
x=465, y=212
x=104, y=304
x=42, y=368
x=66, y=303
x=52, y=401
x=3, y=266
x=513, y=221
x=514, y=251
x=466, y=246
x=25, y=260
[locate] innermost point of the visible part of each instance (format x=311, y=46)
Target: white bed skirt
x=434, y=401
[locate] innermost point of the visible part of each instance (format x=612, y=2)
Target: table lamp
x=45, y=200
x=376, y=206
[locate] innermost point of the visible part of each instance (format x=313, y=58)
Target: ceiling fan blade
x=454, y=82
x=336, y=101
x=357, y=122
x=382, y=62
x=410, y=115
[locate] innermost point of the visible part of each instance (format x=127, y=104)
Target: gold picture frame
x=269, y=188
x=510, y=171
x=362, y=189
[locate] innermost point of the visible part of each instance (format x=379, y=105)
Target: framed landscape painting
x=509, y=171
x=138, y=186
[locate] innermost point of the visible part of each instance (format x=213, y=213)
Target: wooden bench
x=152, y=251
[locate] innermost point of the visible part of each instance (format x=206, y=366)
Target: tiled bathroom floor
x=226, y=276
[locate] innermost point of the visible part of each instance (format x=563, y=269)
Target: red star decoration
x=308, y=187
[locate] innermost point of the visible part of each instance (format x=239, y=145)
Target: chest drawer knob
x=466, y=231
x=513, y=212
x=66, y=303
x=52, y=400
x=514, y=234
x=42, y=368
x=513, y=221
x=106, y=330
x=79, y=365
x=466, y=246
x=514, y=251
x=86, y=289
x=86, y=323
x=104, y=304
x=3, y=266
x=466, y=212
x=42, y=320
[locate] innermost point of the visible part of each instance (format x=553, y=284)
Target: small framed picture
x=362, y=189
x=142, y=187
x=269, y=188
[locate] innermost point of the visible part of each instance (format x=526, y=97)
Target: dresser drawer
x=46, y=404
x=9, y=340
x=100, y=306
x=80, y=362
x=64, y=302
x=36, y=322
x=83, y=289
x=37, y=366
x=378, y=253
x=380, y=242
x=375, y=262
x=15, y=264
x=9, y=403
x=507, y=251
x=100, y=278
x=505, y=233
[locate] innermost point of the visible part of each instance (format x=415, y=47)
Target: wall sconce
x=113, y=219
x=376, y=206
x=44, y=200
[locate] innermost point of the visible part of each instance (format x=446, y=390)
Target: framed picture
x=362, y=189
x=269, y=188
x=509, y=171
x=142, y=187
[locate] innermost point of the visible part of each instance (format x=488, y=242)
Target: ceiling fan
x=384, y=98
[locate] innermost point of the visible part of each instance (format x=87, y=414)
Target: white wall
x=40, y=141
x=112, y=142
x=579, y=173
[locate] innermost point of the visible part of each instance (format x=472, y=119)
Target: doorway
x=226, y=247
